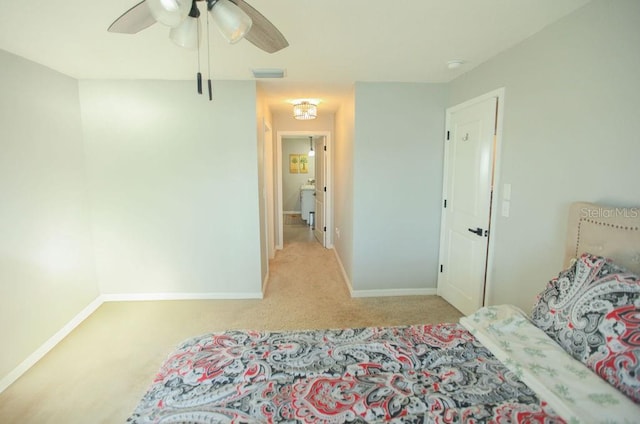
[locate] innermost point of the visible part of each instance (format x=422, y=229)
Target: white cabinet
x=307, y=200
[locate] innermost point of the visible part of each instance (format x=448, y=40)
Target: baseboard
x=394, y=292
x=292, y=212
x=347, y=282
x=49, y=344
x=136, y=297
x=380, y=293
x=39, y=353
x=124, y=297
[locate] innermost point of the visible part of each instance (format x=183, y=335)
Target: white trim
x=49, y=344
x=266, y=199
x=394, y=292
x=499, y=93
x=347, y=282
x=497, y=195
x=269, y=181
x=292, y=212
x=278, y=218
x=135, y=297
x=265, y=285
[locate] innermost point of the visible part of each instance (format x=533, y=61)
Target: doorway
x=472, y=146
x=300, y=178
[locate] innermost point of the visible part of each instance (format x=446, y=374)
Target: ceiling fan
x=235, y=19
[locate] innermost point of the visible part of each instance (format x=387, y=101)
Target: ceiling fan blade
x=263, y=34
x=133, y=20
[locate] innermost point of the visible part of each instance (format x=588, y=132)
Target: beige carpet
x=100, y=371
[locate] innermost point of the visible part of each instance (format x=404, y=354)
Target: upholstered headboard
x=604, y=231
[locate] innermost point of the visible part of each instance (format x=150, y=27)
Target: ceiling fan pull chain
x=199, y=75
x=209, y=61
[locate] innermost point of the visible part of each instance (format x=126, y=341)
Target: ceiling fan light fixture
x=169, y=12
x=305, y=111
x=232, y=21
x=187, y=34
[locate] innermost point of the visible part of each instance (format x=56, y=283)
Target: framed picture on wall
x=293, y=163
x=303, y=163
x=298, y=163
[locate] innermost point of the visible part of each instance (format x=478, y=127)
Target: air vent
x=268, y=73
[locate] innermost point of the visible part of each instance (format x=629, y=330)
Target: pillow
x=592, y=309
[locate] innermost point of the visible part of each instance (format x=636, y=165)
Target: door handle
x=477, y=231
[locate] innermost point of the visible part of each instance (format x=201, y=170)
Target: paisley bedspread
x=411, y=374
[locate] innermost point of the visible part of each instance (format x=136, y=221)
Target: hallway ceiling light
x=305, y=110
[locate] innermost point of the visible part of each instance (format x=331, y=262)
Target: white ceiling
x=333, y=43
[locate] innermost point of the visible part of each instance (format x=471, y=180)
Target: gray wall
x=174, y=186
x=571, y=133
x=46, y=258
x=397, y=185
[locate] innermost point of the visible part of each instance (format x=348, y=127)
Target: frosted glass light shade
x=232, y=22
x=187, y=34
x=169, y=12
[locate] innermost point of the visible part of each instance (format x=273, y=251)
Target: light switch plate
x=506, y=205
x=506, y=192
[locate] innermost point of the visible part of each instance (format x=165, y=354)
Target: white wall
x=174, y=186
x=571, y=133
x=46, y=260
x=397, y=185
x=291, y=182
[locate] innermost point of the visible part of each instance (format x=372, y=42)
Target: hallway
x=306, y=283
x=295, y=230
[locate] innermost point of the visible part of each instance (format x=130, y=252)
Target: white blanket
x=574, y=392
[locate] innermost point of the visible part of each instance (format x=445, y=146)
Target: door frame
x=497, y=192
x=320, y=233
x=269, y=189
x=328, y=205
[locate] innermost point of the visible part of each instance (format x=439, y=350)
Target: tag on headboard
x=604, y=231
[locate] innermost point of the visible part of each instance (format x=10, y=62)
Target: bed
x=574, y=358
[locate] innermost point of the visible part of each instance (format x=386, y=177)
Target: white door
x=467, y=191
x=321, y=188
